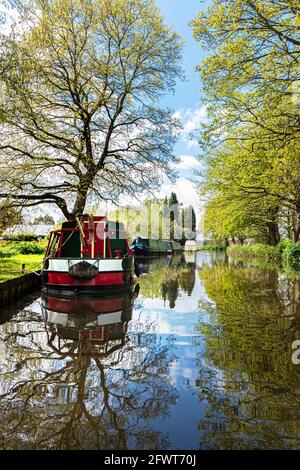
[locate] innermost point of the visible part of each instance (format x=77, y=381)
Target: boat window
x=54, y=245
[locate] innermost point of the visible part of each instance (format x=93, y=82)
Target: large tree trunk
x=80, y=203
x=272, y=227
x=273, y=233
x=79, y=207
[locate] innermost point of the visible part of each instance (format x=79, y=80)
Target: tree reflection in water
x=246, y=374
x=78, y=380
x=167, y=277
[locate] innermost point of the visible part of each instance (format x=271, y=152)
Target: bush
x=291, y=253
x=286, y=251
x=213, y=245
x=281, y=247
x=255, y=251
x=28, y=237
x=30, y=248
x=7, y=252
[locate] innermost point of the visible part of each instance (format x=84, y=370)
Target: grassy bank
x=212, y=245
x=12, y=267
x=286, y=252
x=15, y=254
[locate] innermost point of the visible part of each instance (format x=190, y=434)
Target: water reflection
x=246, y=375
x=94, y=327
x=90, y=385
x=197, y=356
x=168, y=277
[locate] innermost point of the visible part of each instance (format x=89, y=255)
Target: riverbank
x=286, y=252
x=11, y=268
x=19, y=258
x=15, y=288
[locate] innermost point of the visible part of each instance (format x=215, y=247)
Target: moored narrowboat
x=152, y=247
x=88, y=255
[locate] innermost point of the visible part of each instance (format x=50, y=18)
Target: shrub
x=214, y=245
x=286, y=251
x=255, y=251
x=28, y=237
x=291, y=254
x=30, y=248
x=281, y=247
x=7, y=252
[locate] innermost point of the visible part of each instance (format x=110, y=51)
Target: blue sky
x=178, y=14
x=186, y=101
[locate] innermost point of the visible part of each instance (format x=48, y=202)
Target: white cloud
x=191, y=120
x=187, y=162
x=192, y=143
x=185, y=190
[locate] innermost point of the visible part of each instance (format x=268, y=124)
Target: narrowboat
x=88, y=255
x=191, y=246
x=151, y=247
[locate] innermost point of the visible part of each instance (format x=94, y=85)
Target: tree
x=80, y=115
x=44, y=219
x=253, y=45
x=250, y=81
x=241, y=219
x=174, y=214
x=9, y=216
x=256, y=178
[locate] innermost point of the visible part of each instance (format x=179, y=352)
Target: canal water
x=198, y=356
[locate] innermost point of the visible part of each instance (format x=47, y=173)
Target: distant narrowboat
x=87, y=255
x=151, y=247
x=191, y=246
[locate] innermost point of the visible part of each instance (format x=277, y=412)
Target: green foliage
x=251, y=145
x=155, y=219
x=9, y=216
x=44, y=219
x=85, y=77
x=255, y=251
x=27, y=248
x=214, y=245
x=7, y=252
x=291, y=254
x=286, y=251
x=26, y=237
x=11, y=249
x=283, y=246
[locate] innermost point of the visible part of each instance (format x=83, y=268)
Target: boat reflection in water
x=98, y=326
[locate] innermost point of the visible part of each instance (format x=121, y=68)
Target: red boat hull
x=101, y=279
